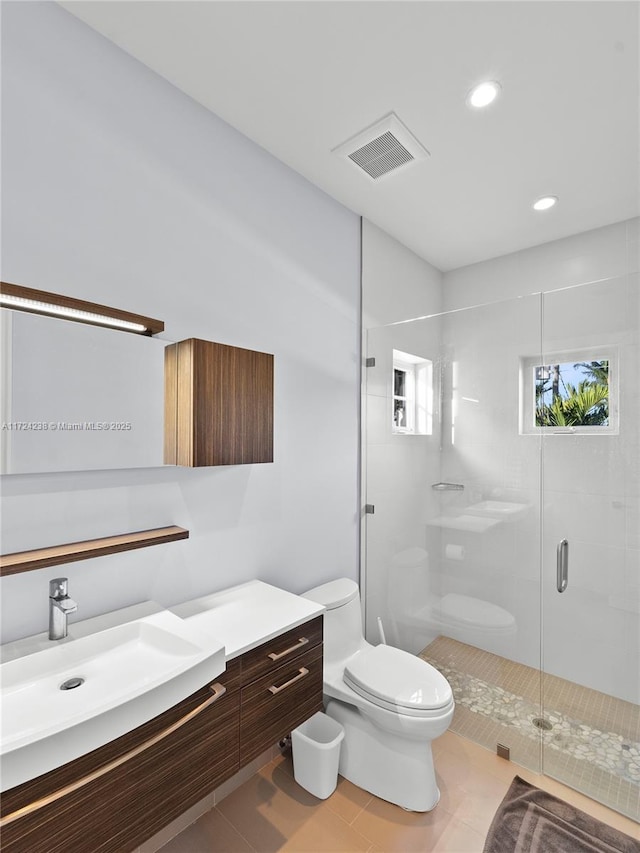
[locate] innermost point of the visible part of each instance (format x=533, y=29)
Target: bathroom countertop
x=240, y=618
x=245, y=616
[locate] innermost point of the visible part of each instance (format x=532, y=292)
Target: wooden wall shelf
x=40, y=558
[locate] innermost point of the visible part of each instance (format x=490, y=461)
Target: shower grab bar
x=562, y=565
x=447, y=487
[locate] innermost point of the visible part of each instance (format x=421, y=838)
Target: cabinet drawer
x=270, y=656
x=116, y=812
x=272, y=706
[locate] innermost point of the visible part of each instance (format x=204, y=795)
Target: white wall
x=397, y=285
x=119, y=189
x=590, y=256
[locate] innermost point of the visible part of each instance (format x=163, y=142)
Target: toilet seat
x=398, y=681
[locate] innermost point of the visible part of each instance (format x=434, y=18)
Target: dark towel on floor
x=530, y=820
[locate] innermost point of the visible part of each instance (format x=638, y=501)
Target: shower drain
x=541, y=723
x=71, y=683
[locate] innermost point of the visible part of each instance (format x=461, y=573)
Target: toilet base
x=394, y=768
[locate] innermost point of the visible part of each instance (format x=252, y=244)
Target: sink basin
x=116, y=679
x=506, y=510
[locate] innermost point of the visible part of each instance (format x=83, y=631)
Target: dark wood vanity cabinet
x=160, y=769
x=218, y=404
x=281, y=687
x=131, y=802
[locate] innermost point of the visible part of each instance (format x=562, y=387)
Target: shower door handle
x=562, y=565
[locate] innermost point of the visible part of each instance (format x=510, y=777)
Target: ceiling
x=299, y=78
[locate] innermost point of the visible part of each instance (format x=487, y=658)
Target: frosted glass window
x=412, y=394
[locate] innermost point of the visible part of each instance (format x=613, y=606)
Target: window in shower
x=572, y=392
x=412, y=394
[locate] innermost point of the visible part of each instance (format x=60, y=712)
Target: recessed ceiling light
x=545, y=202
x=483, y=94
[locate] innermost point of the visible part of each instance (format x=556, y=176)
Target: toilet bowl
x=391, y=704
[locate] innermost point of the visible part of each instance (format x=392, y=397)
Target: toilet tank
x=342, y=618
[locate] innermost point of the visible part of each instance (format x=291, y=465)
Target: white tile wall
x=602, y=253
x=397, y=469
x=590, y=482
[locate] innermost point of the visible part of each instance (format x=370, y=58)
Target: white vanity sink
x=127, y=674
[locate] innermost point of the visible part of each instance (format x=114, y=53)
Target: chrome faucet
x=60, y=606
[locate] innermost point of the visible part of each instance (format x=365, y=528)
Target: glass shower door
x=585, y=402
x=452, y=545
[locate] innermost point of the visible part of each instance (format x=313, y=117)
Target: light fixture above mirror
x=20, y=298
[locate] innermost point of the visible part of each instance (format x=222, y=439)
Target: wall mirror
x=78, y=397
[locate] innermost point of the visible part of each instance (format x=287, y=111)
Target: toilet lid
x=334, y=593
x=395, y=679
x=474, y=612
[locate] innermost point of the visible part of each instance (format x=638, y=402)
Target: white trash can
x=316, y=754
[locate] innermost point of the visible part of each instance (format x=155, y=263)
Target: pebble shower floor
x=593, y=739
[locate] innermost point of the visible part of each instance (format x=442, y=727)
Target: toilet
x=390, y=703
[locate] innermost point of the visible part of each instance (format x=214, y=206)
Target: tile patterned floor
x=594, y=740
x=270, y=812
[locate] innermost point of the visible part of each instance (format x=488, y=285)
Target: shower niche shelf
x=467, y=523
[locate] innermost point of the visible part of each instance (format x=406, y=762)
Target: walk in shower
x=502, y=482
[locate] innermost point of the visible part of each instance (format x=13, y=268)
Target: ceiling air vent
x=382, y=148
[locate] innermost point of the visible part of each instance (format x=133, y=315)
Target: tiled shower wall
x=396, y=284
x=591, y=491
x=482, y=450
x=591, y=484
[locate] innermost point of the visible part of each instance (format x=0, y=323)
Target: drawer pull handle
x=216, y=689
x=301, y=674
x=301, y=642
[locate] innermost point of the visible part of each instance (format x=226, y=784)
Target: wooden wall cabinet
x=269, y=691
x=218, y=404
